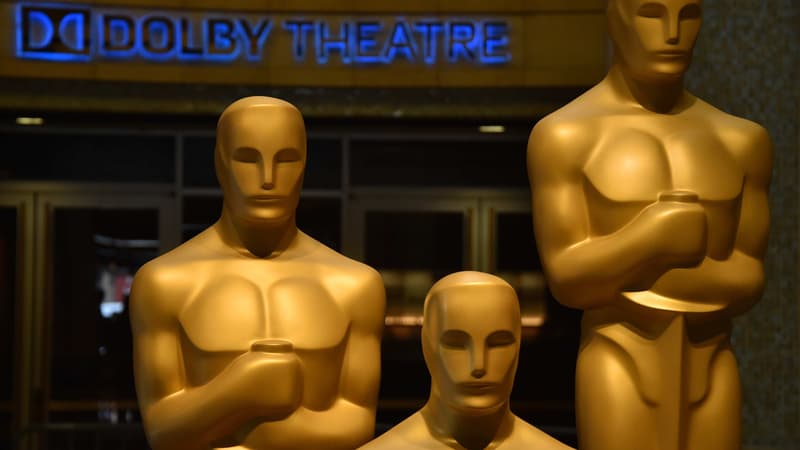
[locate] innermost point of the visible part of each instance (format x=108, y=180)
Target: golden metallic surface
x=650, y=212
x=253, y=335
x=470, y=339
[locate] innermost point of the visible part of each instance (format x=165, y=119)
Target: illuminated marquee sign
x=83, y=33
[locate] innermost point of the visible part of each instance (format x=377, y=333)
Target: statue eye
x=651, y=10
x=500, y=338
x=287, y=155
x=455, y=339
x=692, y=11
x=246, y=155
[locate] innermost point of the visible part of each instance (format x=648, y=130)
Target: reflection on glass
x=96, y=157
x=532, y=293
x=199, y=213
x=550, y=331
x=412, y=250
x=517, y=261
x=419, y=163
x=95, y=252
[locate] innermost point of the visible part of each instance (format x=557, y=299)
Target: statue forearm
x=737, y=282
x=192, y=419
x=345, y=425
x=594, y=272
x=327, y=428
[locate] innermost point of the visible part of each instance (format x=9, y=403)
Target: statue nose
x=478, y=373
x=267, y=176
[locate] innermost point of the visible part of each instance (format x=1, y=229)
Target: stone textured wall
x=746, y=63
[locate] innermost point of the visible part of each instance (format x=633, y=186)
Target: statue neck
x=661, y=96
x=256, y=239
x=471, y=431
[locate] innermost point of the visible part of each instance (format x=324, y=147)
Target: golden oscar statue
x=650, y=212
x=253, y=335
x=470, y=339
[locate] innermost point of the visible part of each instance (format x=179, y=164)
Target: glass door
x=412, y=239
x=93, y=244
x=545, y=393
x=511, y=253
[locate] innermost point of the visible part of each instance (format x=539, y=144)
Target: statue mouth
x=267, y=198
x=478, y=387
x=672, y=53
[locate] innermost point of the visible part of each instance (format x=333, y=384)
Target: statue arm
x=753, y=231
x=738, y=280
x=585, y=271
x=175, y=416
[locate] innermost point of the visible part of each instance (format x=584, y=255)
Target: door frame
x=22, y=358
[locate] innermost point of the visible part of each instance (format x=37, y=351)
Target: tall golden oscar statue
x=470, y=339
x=253, y=335
x=650, y=213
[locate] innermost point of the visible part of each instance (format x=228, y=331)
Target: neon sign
x=83, y=33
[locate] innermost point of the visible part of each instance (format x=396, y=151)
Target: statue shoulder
x=558, y=148
x=335, y=264
x=526, y=436
x=352, y=282
x=411, y=433
x=568, y=135
x=748, y=141
x=163, y=285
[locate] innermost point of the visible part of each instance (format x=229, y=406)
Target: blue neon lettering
x=221, y=43
x=326, y=44
x=256, y=37
x=366, y=44
x=299, y=29
x=461, y=41
x=157, y=36
x=495, y=43
x=75, y=33
x=120, y=39
x=40, y=28
x=71, y=31
x=53, y=33
x=190, y=48
x=400, y=42
x=429, y=30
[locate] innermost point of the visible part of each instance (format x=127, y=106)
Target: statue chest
x=232, y=311
x=628, y=169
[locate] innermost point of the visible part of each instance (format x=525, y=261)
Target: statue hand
x=269, y=380
x=678, y=229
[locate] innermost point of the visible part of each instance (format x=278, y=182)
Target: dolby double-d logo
x=57, y=33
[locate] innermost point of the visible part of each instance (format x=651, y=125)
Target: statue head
x=653, y=39
x=260, y=158
x=470, y=339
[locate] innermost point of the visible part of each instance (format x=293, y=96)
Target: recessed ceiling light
x=492, y=129
x=30, y=121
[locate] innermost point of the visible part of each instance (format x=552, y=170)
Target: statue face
x=472, y=346
x=654, y=39
x=262, y=155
